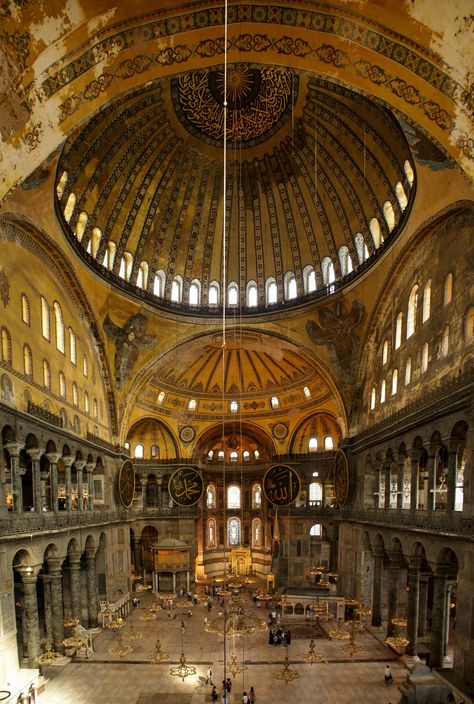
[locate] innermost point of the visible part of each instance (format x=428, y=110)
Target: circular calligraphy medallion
x=186, y=486
x=280, y=431
x=187, y=433
x=126, y=483
x=281, y=485
x=341, y=477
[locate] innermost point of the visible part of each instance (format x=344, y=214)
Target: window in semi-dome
x=232, y=294
x=69, y=207
x=139, y=451
x=233, y=531
x=194, y=293
x=154, y=451
x=409, y=172
x=275, y=403
x=213, y=296
x=246, y=455
x=252, y=294
x=210, y=454
x=142, y=276
x=271, y=291
x=46, y=374
x=389, y=215
x=328, y=442
x=159, y=284
x=234, y=456
x=313, y=444
x=233, y=406
x=426, y=312
x=81, y=225
x=401, y=195
x=291, y=290
x=256, y=454
x=192, y=403
x=6, y=346
x=220, y=455
x=374, y=227
x=309, y=279
x=45, y=319
x=307, y=392
x=25, y=309
x=58, y=317
x=160, y=398
x=233, y=496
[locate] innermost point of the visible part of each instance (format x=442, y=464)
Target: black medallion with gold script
x=341, y=477
x=281, y=485
x=186, y=486
x=126, y=483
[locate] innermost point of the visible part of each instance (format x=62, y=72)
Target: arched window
x=211, y=533
x=87, y=406
x=275, y=403
x=328, y=442
x=45, y=319
x=408, y=372
x=382, y=391
x=95, y=409
x=6, y=346
x=252, y=294
x=394, y=381
x=72, y=346
x=139, y=452
x=154, y=452
x=214, y=293
x=448, y=289
x=233, y=531
x=81, y=225
x=306, y=392
x=469, y=324
x=256, y=533
x=315, y=494
x=69, y=207
x=427, y=301
x=75, y=395
x=409, y=172
x=389, y=215
x=385, y=352
x=246, y=455
x=159, y=284
x=361, y=247
x=160, y=398
x=412, y=309
x=315, y=530
x=232, y=294
x=58, y=317
x=142, y=276
x=234, y=456
x=194, y=292
x=256, y=496
x=313, y=444
x=177, y=289
x=401, y=196
x=398, y=330
x=211, y=496
x=372, y=398
x=109, y=256
x=309, y=279
x=220, y=455
x=327, y=270
x=233, y=496
x=374, y=227
x=233, y=406
x=192, y=404
x=62, y=385
x=46, y=374
x=425, y=352
x=445, y=341
x=126, y=265
x=291, y=290
x=271, y=291
x=61, y=185
x=345, y=260
x=85, y=366
x=94, y=241
x=25, y=309
x=256, y=454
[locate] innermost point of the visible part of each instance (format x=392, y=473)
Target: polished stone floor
x=107, y=678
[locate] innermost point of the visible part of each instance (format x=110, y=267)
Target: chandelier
x=182, y=670
x=49, y=656
x=339, y=633
x=397, y=641
x=158, y=655
x=233, y=666
x=286, y=674
x=312, y=656
x=119, y=648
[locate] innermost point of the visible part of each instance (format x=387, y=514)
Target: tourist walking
x=388, y=676
x=245, y=699
x=209, y=676
x=252, y=696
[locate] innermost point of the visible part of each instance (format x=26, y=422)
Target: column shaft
x=377, y=589
x=438, y=629
x=31, y=616
x=413, y=608
x=91, y=587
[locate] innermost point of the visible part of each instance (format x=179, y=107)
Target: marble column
x=79, y=465
x=400, y=471
x=387, y=469
x=35, y=454
x=136, y=555
x=91, y=580
x=378, y=493
x=423, y=605
x=451, y=480
x=393, y=580
x=415, y=457
x=55, y=576
x=144, y=482
x=48, y=613
x=74, y=559
x=377, y=586
x=430, y=467
x=67, y=461
x=30, y=600
x=90, y=485
x=414, y=565
x=53, y=458
x=17, y=490
x=438, y=628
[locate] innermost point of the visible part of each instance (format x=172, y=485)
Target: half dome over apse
x=258, y=369
x=318, y=180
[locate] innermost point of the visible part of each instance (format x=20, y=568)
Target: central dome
x=317, y=182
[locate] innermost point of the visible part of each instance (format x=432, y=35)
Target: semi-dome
x=317, y=181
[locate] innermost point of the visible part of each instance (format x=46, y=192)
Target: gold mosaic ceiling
x=309, y=164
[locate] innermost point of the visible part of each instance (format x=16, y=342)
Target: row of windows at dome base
x=234, y=526
x=234, y=495
x=194, y=294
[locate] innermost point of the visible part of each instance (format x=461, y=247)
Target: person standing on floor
x=252, y=696
x=214, y=695
x=209, y=676
x=388, y=676
x=245, y=699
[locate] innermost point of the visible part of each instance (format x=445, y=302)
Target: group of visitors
x=279, y=636
x=227, y=689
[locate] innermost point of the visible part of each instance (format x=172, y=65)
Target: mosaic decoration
x=259, y=101
x=186, y=486
x=4, y=288
x=126, y=484
x=281, y=485
x=129, y=340
x=336, y=326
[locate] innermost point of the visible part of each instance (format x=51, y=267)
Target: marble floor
x=107, y=678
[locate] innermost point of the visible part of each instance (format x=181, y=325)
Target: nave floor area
x=106, y=678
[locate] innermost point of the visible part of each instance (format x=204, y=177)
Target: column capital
x=395, y=560
x=35, y=453
x=29, y=574
x=378, y=552
x=90, y=466
x=67, y=461
x=90, y=553
x=53, y=457
x=74, y=557
x=13, y=448
x=79, y=465
x=415, y=454
x=54, y=565
x=414, y=562
x=143, y=482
